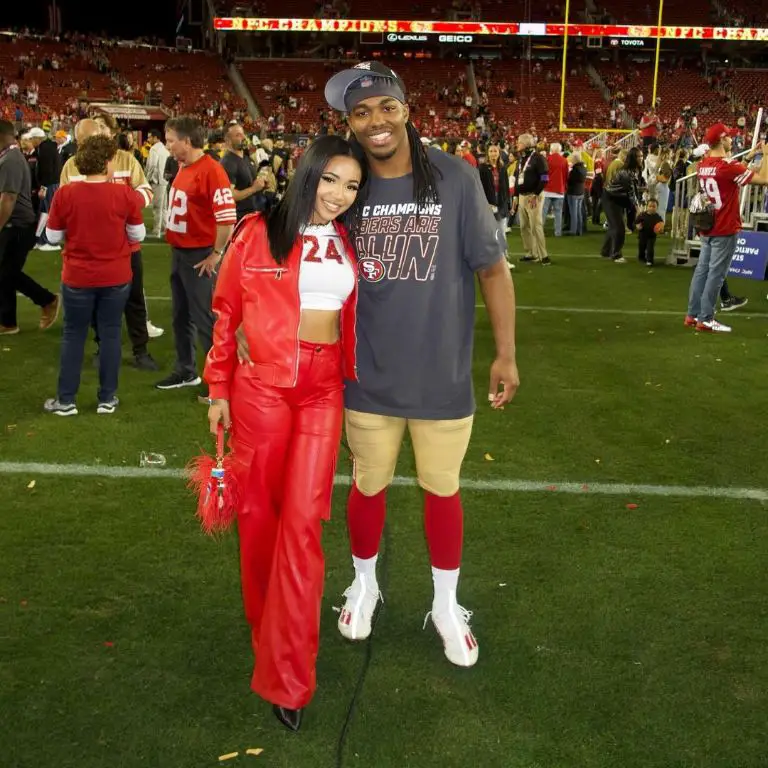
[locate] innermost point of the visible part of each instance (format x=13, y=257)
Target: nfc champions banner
x=751, y=257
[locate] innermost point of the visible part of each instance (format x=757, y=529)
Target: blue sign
x=751, y=257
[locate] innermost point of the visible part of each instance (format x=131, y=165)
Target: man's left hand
x=207, y=267
x=504, y=376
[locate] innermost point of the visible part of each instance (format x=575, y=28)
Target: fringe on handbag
x=212, y=479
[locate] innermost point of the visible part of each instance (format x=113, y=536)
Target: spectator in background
x=649, y=128
x=201, y=215
x=648, y=228
x=215, y=147
x=621, y=193
x=101, y=223
x=17, y=237
x=531, y=178
x=493, y=177
x=577, y=178
x=48, y=170
x=554, y=191
x=247, y=182
x=721, y=179
x=596, y=190
x=158, y=155
x=127, y=171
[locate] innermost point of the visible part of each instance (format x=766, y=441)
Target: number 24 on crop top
x=326, y=278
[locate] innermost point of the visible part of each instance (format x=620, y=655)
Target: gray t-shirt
x=16, y=179
x=416, y=308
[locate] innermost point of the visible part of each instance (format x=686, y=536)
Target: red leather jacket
x=263, y=296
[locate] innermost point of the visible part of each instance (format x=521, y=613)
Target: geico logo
x=455, y=38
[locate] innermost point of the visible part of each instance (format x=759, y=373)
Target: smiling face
x=337, y=189
x=379, y=126
x=494, y=153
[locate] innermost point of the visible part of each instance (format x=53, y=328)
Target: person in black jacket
x=48, y=172
x=532, y=175
x=620, y=194
x=577, y=179
x=495, y=181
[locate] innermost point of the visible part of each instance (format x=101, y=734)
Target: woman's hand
x=219, y=412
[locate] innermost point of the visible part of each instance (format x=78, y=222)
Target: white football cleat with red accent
x=357, y=614
x=452, y=624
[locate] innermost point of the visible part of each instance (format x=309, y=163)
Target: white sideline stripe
x=510, y=486
x=580, y=310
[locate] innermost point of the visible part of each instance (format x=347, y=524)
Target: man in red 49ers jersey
x=201, y=214
x=721, y=179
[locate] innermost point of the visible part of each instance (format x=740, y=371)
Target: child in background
x=101, y=222
x=649, y=224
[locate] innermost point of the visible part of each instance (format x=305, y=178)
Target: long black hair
x=286, y=219
x=424, y=178
x=633, y=161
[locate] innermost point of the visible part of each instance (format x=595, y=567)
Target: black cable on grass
x=384, y=574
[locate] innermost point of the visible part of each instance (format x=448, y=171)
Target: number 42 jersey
x=199, y=201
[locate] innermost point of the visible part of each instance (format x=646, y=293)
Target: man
x=721, y=179
x=158, y=154
x=554, y=191
x=532, y=175
x=17, y=237
x=126, y=171
x=247, y=184
x=201, y=215
x=215, y=146
x=649, y=129
x=426, y=231
x=48, y=170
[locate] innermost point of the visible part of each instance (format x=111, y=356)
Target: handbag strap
x=220, y=442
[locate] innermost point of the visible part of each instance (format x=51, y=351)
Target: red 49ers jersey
x=722, y=179
x=200, y=199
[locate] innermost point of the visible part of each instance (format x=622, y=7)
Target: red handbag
x=212, y=479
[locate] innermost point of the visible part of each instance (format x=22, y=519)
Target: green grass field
x=612, y=636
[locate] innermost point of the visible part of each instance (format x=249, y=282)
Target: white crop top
x=326, y=277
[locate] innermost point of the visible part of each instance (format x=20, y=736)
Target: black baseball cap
x=368, y=78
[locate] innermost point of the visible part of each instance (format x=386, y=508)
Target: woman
x=577, y=179
x=102, y=223
x=620, y=194
x=663, y=179
x=290, y=278
x=596, y=191
x=493, y=177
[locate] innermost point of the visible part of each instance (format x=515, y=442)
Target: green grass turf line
x=623, y=638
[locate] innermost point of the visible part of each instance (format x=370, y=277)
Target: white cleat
x=48, y=247
x=357, y=614
x=452, y=624
x=153, y=331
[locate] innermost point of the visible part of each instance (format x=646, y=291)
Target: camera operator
x=685, y=128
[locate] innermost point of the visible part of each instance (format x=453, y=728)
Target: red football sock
x=444, y=526
x=365, y=521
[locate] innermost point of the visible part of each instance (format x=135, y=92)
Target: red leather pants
x=285, y=444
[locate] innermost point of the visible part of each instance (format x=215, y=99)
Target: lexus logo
x=392, y=37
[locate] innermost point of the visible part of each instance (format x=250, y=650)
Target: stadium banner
x=257, y=24
x=751, y=257
x=132, y=111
